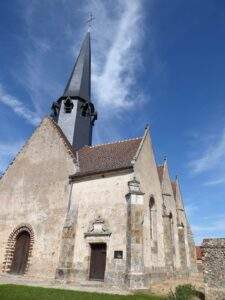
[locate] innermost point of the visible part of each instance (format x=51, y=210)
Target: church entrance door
x=20, y=253
x=98, y=261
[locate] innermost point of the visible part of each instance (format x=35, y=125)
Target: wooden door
x=98, y=261
x=20, y=253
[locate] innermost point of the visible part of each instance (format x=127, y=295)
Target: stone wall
x=182, y=248
x=146, y=172
x=185, y=248
x=214, y=268
x=135, y=275
x=34, y=196
x=192, y=251
x=101, y=199
x=170, y=223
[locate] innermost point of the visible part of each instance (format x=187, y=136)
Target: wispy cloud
x=215, y=226
x=212, y=157
x=117, y=38
x=35, y=73
x=18, y=107
x=214, y=182
x=116, y=67
x=209, y=227
x=48, y=56
x=191, y=208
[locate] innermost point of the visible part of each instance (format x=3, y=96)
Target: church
x=76, y=213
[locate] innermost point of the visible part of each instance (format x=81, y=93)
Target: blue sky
x=156, y=62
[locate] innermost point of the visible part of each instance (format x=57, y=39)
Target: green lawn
x=20, y=292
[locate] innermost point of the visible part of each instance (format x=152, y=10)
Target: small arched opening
x=18, y=250
x=21, y=252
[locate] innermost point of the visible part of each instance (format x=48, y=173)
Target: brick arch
x=11, y=246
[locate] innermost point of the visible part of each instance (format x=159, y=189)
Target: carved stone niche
x=98, y=227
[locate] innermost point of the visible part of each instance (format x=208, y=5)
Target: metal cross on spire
x=89, y=21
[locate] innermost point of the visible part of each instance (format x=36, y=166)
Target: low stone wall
x=214, y=268
x=165, y=286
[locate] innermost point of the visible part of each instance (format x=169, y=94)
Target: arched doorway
x=21, y=252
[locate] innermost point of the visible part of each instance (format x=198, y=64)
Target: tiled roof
x=160, y=172
x=199, y=252
x=106, y=157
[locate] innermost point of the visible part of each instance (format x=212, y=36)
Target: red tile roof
x=106, y=157
x=199, y=252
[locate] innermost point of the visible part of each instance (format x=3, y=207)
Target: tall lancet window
x=152, y=215
x=171, y=232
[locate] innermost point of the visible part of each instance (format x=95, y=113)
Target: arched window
x=152, y=216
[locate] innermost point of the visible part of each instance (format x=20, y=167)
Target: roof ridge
x=115, y=142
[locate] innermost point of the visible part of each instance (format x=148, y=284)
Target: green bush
x=184, y=292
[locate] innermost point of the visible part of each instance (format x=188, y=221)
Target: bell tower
x=74, y=112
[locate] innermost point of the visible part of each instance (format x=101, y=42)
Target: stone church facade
x=74, y=213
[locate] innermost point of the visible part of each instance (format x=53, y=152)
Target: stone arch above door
x=11, y=243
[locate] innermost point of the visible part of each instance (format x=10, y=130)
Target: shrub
x=185, y=292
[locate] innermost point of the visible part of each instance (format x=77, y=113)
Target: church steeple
x=74, y=112
x=79, y=84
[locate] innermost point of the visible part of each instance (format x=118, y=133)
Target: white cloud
x=211, y=227
x=18, y=107
x=212, y=157
x=117, y=37
x=217, y=225
x=214, y=182
x=36, y=73
x=116, y=44
x=191, y=209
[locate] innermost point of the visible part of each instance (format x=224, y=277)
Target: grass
x=20, y=292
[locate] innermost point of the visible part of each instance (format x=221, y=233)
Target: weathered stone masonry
x=11, y=246
x=135, y=276
x=214, y=268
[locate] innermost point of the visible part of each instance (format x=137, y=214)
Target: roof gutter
x=77, y=176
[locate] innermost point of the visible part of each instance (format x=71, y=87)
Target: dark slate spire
x=74, y=112
x=79, y=84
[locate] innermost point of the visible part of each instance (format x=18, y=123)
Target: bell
x=68, y=105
